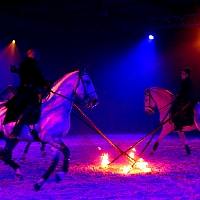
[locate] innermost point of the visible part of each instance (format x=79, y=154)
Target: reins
x=157, y=110
x=74, y=93
x=151, y=133
x=151, y=97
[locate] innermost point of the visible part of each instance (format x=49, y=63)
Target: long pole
x=151, y=133
x=100, y=133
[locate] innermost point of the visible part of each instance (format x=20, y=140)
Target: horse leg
x=27, y=148
x=64, y=149
x=46, y=175
x=42, y=149
x=163, y=133
x=184, y=140
x=6, y=155
x=25, y=152
x=65, y=167
x=160, y=137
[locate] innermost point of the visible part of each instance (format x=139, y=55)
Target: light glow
x=151, y=37
x=104, y=160
x=139, y=166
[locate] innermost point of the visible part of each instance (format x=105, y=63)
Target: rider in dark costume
x=185, y=96
x=24, y=107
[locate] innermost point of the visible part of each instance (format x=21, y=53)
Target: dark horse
x=54, y=123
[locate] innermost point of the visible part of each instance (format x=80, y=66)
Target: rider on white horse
x=24, y=107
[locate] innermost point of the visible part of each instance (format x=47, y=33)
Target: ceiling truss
x=100, y=27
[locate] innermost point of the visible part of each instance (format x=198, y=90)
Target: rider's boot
x=20, y=122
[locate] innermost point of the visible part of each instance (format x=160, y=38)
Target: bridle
x=86, y=94
x=150, y=97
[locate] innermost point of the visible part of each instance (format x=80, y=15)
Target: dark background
x=122, y=64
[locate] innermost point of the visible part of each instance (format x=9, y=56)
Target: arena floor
x=174, y=175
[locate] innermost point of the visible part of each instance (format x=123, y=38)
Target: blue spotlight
x=151, y=37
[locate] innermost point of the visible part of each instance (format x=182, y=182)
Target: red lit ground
x=174, y=174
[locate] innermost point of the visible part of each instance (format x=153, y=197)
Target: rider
x=185, y=96
x=24, y=107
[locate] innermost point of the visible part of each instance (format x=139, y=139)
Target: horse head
x=157, y=97
x=149, y=102
x=85, y=89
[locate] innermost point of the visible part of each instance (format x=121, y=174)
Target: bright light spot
x=13, y=41
x=142, y=165
x=104, y=160
x=131, y=154
x=126, y=169
x=99, y=148
x=151, y=37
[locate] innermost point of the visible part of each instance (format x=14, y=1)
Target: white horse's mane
x=164, y=91
x=57, y=83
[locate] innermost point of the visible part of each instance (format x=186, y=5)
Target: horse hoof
x=155, y=146
x=39, y=184
x=19, y=177
x=37, y=187
x=58, y=179
x=60, y=176
x=18, y=172
x=187, y=149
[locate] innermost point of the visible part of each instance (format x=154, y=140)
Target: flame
x=132, y=154
x=140, y=164
x=126, y=169
x=104, y=160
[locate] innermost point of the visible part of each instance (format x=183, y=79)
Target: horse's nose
x=95, y=102
x=92, y=102
x=146, y=112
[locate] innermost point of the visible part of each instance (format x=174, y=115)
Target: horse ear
x=83, y=67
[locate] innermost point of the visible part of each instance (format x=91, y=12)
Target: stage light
x=151, y=37
x=13, y=41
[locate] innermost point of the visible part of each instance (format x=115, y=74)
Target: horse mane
x=61, y=76
x=164, y=91
x=57, y=83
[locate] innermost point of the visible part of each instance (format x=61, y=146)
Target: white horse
x=54, y=122
x=163, y=99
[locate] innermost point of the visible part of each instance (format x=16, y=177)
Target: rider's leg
x=20, y=122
